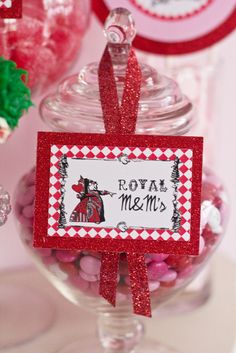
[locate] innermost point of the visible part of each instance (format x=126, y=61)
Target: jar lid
x=163, y=109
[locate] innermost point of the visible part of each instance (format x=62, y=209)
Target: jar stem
x=119, y=333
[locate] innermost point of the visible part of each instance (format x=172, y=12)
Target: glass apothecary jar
x=163, y=110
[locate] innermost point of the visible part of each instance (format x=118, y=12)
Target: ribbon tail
x=139, y=284
x=108, y=276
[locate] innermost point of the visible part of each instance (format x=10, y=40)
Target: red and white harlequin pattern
x=6, y=3
x=96, y=152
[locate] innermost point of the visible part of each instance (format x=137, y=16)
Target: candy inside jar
x=167, y=274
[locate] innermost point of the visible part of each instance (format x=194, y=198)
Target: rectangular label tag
x=118, y=193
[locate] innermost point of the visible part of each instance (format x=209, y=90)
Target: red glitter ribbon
x=121, y=119
x=139, y=284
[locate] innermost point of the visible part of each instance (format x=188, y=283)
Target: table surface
x=210, y=329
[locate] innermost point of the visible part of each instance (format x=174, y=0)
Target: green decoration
x=15, y=96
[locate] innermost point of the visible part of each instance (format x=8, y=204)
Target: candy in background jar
x=46, y=40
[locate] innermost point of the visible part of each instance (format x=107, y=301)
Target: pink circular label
x=175, y=26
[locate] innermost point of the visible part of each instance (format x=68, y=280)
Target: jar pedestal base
x=86, y=345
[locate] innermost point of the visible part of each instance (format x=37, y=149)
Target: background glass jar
x=163, y=110
x=196, y=74
x=46, y=40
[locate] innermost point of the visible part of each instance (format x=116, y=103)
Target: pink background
x=17, y=156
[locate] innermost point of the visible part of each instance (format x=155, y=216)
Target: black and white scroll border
x=124, y=159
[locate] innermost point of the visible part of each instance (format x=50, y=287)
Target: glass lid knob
x=119, y=27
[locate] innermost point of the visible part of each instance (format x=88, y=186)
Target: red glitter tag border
x=47, y=139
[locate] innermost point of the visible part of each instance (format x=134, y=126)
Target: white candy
x=55, y=269
x=205, y=211
x=210, y=215
x=214, y=220
x=201, y=245
x=153, y=285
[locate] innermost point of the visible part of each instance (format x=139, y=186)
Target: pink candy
x=87, y=277
x=94, y=286
x=156, y=270
x=48, y=260
x=44, y=252
x=186, y=272
x=153, y=285
x=81, y=269
x=27, y=198
x=121, y=297
x=79, y=282
x=169, y=276
x=28, y=222
x=28, y=211
x=30, y=178
x=90, y=265
x=127, y=280
x=158, y=257
x=66, y=255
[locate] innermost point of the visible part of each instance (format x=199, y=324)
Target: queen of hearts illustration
x=90, y=208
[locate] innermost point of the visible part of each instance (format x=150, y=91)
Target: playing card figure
x=90, y=208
